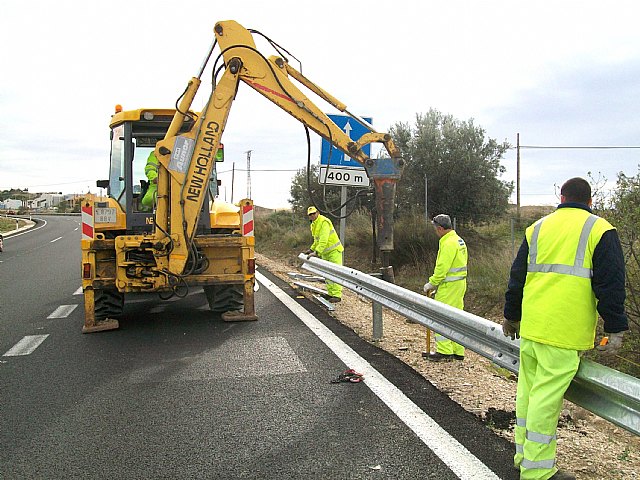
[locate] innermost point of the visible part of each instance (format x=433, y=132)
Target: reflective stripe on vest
x=453, y=278
x=332, y=247
x=576, y=269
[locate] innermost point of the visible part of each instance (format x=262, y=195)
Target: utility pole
x=426, y=207
x=248, y=152
x=518, y=176
x=343, y=215
x=233, y=175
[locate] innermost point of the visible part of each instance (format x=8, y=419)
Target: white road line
x=78, y=291
x=55, y=239
x=25, y=346
x=62, y=311
x=461, y=462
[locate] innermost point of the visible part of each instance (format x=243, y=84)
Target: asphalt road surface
x=177, y=393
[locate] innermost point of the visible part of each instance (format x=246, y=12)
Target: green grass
x=9, y=224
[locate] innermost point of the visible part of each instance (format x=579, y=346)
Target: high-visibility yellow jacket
x=451, y=264
x=450, y=272
x=558, y=303
x=151, y=168
x=325, y=238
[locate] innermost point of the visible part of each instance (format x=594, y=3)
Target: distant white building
x=46, y=200
x=11, y=204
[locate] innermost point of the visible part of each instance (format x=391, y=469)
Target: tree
x=15, y=193
x=462, y=168
x=625, y=216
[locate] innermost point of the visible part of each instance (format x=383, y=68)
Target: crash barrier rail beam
x=604, y=391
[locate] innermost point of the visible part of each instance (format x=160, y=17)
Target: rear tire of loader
x=109, y=303
x=225, y=298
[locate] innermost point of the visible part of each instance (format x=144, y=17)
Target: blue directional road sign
x=352, y=128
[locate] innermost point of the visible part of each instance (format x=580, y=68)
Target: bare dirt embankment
x=589, y=446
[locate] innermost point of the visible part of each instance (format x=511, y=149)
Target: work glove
x=612, y=345
x=511, y=329
x=428, y=288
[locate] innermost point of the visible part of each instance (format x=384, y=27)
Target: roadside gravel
x=588, y=446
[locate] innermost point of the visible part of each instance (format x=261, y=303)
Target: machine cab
x=134, y=135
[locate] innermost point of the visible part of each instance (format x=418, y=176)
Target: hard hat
x=311, y=210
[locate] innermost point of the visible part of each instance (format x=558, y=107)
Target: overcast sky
x=560, y=73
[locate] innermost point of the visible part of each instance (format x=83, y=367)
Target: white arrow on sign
x=347, y=130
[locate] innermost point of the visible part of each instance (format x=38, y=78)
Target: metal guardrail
x=604, y=391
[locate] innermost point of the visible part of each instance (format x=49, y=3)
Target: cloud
x=589, y=105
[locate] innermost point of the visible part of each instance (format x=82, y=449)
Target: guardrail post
x=377, y=320
x=386, y=274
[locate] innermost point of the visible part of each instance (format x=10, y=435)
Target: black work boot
x=563, y=475
x=439, y=357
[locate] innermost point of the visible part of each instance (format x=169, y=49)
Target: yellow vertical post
x=89, y=309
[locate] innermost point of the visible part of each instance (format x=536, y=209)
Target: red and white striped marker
x=87, y=222
x=247, y=220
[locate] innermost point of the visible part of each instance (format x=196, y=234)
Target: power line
x=261, y=170
x=578, y=147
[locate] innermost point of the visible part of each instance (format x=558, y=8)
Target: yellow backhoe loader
x=189, y=238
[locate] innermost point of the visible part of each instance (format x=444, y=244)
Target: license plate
x=105, y=215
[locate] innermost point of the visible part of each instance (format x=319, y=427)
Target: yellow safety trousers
x=544, y=376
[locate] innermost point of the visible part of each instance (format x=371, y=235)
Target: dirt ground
x=588, y=446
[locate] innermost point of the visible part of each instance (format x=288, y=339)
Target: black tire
x=109, y=303
x=225, y=298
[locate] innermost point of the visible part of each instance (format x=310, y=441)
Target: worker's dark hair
x=576, y=190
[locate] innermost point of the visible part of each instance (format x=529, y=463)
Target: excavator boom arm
x=187, y=160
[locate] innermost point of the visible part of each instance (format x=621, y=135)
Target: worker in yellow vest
x=449, y=281
x=151, y=171
x=327, y=246
x=569, y=268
